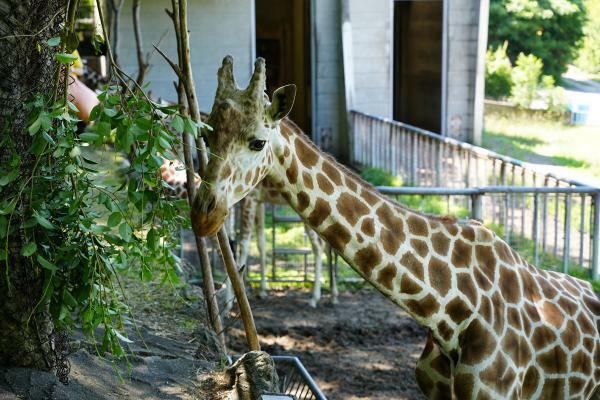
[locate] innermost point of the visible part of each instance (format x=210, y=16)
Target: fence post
x=567, y=237
x=536, y=207
x=477, y=206
x=596, y=238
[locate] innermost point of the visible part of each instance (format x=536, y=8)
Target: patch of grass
x=546, y=142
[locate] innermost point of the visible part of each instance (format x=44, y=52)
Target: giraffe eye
x=257, y=144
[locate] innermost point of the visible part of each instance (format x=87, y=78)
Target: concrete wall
x=463, y=23
x=372, y=31
x=329, y=119
x=217, y=28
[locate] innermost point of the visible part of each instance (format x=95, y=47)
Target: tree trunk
x=26, y=67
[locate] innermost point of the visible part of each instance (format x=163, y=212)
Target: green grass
x=546, y=142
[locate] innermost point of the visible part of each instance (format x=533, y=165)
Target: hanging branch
x=208, y=281
x=143, y=60
x=114, y=8
x=184, y=72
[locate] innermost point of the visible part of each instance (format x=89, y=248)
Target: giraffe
x=173, y=173
x=499, y=328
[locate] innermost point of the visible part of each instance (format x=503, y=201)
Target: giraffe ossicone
x=499, y=327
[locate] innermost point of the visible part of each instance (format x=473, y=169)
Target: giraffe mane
x=291, y=125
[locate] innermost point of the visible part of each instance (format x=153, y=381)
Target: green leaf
x=125, y=231
x=89, y=137
x=46, y=264
x=177, y=124
x=52, y=42
x=9, y=177
x=3, y=254
x=164, y=142
x=190, y=127
x=35, y=126
x=114, y=219
x=3, y=226
x=65, y=58
x=28, y=249
x=43, y=221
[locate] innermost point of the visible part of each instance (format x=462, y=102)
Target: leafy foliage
x=84, y=230
x=525, y=77
x=498, y=68
x=589, y=55
x=549, y=29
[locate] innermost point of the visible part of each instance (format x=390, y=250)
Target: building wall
x=217, y=28
x=329, y=121
x=463, y=23
x=372, y=31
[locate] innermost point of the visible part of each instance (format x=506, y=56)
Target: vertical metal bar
x=596, y=238
x=413, y=169
x=476, y=207
x=555, y=251
x=582, y=229
x=567, y=234
x=523, y=200
x=536, y=206
x=545, y=217
x=273, y=240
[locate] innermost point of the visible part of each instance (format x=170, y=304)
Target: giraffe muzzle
x=208, y=218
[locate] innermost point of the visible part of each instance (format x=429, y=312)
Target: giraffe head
x=245, y=124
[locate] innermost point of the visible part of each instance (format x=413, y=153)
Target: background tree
x=26, y=68
x=589, y=56
x=549, y=29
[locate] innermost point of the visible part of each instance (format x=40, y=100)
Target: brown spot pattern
x=351, y=208
x=440, y=243
x=425, y=307
x=337, y=235
x=321, y=211
x=440, y=278
x=308, y=180
x=306, y=154
x=420, y=247
x=332, y=172
x=417, y=226
x=324, y=184
x=461, y=254
x=411, y=263
x=368, y=227
x=303, y=201
x=368, y=258
x=386, y=276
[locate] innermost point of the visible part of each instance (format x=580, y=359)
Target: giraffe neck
x=389, y=245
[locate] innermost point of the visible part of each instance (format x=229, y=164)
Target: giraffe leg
x=332, y=274
x=248, y=216
x=317, y=247
x=433, y=372
x=260, y=234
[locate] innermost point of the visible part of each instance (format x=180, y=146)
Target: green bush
x=498, y=69
x=528, y=84
x=550, y=29
x=379, y=177
x=526, y=77
x=589, y=55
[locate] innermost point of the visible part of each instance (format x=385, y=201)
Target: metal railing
x=556, y=226
x=424, y=158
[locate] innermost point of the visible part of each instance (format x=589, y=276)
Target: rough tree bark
x=25, y=69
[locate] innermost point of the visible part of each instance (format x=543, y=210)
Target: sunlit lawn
x=575, y=149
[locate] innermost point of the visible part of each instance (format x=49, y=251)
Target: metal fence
x=553, y=227
x=424, y=158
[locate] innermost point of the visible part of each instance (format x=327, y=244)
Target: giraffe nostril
x=210, y=204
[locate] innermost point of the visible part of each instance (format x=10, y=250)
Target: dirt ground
x=365, y=347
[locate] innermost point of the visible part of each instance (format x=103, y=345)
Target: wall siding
x=463, y=22
x=217, y=28
x=329, y=119
x=372, y=27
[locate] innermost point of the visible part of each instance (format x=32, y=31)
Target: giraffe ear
x=283, y=100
